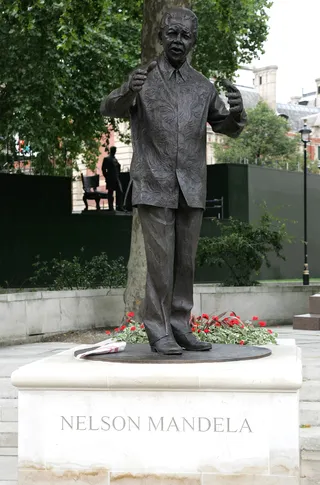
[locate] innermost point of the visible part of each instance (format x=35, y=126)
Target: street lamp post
x=305, y=138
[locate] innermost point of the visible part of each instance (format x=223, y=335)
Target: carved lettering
x=90, y=425
x=217, y=425
x=204, y=424
x=65, y=420
x=155, y=428
x=81, y=421
x=119, y=423
x=136, y=424
x=105, y=420
x=228, y=427
x=245, y=425
x=173, y=424
x=185, y=421
x=170, y=424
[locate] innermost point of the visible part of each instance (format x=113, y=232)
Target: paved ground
x=13, y=357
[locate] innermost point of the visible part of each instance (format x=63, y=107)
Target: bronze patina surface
x=141, y=354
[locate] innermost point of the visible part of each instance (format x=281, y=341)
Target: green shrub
x=77, y=273
x=242, y=248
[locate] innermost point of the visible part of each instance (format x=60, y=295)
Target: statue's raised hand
x=139, y=77
x=234, y=96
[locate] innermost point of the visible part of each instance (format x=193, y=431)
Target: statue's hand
x=234, y=96
x=139, y=77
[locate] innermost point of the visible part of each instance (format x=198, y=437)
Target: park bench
x=90, y=185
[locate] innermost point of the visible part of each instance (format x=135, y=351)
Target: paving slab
x=311, y=370
x=8, y=366
x=303, y=481
x=310, y=413
x=7, y=390
x=310, y=438
x=8, y=440
x=8, y=452
x=310, y=469
x=9, y=413
x=9, y=467
x=310, y=391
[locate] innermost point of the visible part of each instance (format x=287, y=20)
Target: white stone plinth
x=145, y=424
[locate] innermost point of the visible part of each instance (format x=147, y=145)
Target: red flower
x=215, y=318
x=116, y=329
x=241, y=342
x=205, y=315
x=270, y=331
x=132, y=329
x=142, y=325
x=234, y=321
x=108, y=332
x=193, y=329
x=218, y=324
x=123, y=327
x=128, y=320
x=206, y=330
x=130, y=314
x=255, y=318
x=241, y=326
x=199, y=331
x=262, y=324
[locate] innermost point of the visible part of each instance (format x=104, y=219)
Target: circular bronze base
x=142, y=354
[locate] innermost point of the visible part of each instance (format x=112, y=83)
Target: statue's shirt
x=169, y=119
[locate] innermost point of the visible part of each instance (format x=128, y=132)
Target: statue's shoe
x=189, y=342
x=166, y=346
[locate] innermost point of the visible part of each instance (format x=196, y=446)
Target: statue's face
x=178, y=40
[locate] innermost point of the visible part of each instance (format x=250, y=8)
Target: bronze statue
x=169, y=104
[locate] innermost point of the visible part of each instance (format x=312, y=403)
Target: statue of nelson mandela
x=169, y=104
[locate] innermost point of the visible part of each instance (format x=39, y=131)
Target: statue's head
x=178, y=34
x=113, y=151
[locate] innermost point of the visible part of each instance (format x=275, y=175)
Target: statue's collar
x=168, y=69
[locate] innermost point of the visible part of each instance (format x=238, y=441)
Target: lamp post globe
x=305, y=133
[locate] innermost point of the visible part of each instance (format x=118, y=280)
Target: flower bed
x=227, y=328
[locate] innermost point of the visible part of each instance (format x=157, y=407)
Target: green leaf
x=65, y=56
x=264, y=141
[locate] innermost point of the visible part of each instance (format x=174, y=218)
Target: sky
x=293, y=46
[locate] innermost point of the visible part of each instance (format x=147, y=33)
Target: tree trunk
x=150, y=49
x=137, y=270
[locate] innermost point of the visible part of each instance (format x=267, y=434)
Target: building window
x=260, y=80
x=318, y=152
x=318, y=89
